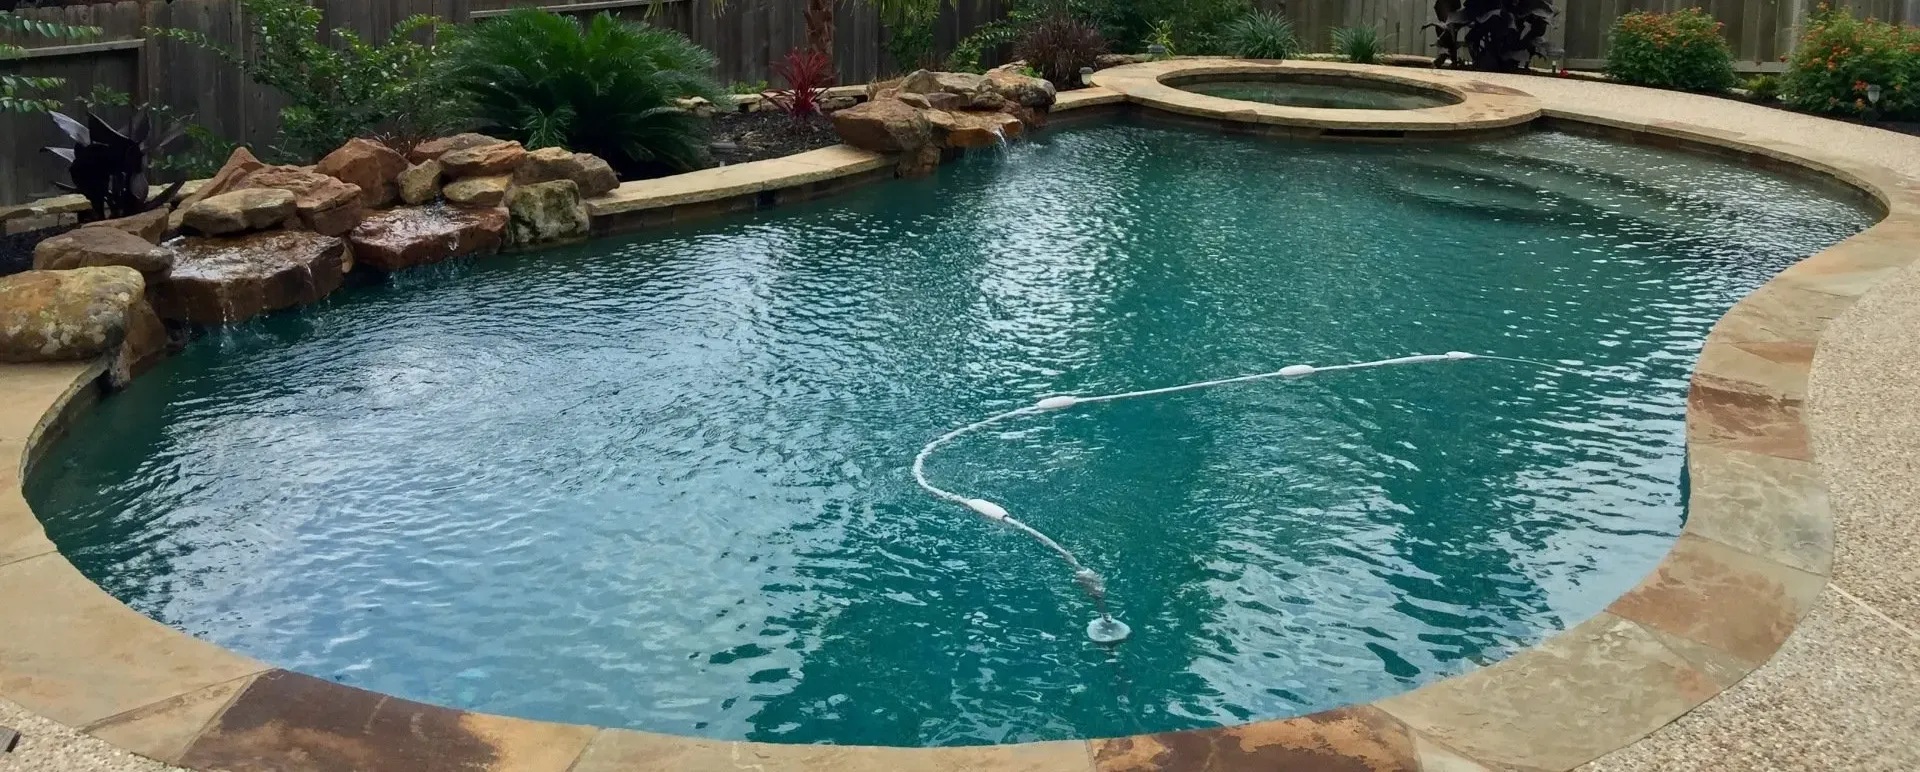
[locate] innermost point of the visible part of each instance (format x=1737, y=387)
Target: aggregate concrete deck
x=1844, y=692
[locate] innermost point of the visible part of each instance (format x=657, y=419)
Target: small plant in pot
x=110, y=167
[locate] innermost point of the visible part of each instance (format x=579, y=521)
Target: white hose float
x=1104, y=629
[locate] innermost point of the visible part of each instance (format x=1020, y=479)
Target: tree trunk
x=819, y=15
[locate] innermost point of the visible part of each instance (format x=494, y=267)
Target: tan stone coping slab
x=1481, y=106
x=737, y=188
x=1756, y=550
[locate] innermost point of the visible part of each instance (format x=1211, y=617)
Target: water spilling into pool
x=664, y=482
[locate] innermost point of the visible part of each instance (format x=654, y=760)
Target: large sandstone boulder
x=1021, y=90
x=324, y=204
x=544, y=212
x=483, y=160
x=143, y=347
x=973, y=91
x=973, y=129
x=432, y=149
x=941, y=101
x=420, y=183
x=150, y=225
x=412, y=236
x=53, y=316
x=240, y=211
x=223, y=280
x=478, y=191
x=926, y=82
x=94, y=247
x=240, y=163
x=883, y=126
x=589, y=172
x=369, y=164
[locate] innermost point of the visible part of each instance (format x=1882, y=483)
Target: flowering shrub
x=1840, y=59
x=1682, y=50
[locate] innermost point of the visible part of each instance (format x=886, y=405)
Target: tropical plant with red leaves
x=808, y=73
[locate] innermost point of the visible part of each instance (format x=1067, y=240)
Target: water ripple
x=662, y=482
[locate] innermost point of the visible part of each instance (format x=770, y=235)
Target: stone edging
x=1756, y=550
x=1483, y=107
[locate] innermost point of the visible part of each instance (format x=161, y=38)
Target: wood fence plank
x=746, y=38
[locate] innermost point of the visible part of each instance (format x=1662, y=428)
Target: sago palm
x=604, y=86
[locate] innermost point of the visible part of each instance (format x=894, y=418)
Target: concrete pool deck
x=1769, y=406
x=1843, y=693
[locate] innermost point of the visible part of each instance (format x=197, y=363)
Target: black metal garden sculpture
x=109, y=167
x=1499, y=35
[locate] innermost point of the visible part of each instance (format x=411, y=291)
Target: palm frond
x=602, y=85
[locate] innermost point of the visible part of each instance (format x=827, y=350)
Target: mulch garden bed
x=16, y=249
x=1899, y=127
x=742, y=137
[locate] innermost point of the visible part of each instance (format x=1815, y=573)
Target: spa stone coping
x=1756, y=550
x=1481, y=106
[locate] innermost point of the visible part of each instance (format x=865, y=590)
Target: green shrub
x=18, y=93
x=605, y=87
x=1840, y=59
x=1360, y=45
x=1262, y=35
x=1058, y=47
x=1184, y=26
x=1682, y=50
x=910, y=44
x=1128, y=26
x=1762, y=88
x=336, y=93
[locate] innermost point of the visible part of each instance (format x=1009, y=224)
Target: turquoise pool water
x=1343, y=94
x=662, y=482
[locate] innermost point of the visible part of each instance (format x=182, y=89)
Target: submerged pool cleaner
x=1104, y=629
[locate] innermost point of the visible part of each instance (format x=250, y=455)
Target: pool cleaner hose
x=1104, y=629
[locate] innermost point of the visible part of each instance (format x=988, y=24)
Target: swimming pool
x=662, y=482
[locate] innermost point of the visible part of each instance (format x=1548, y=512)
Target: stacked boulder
x=257, y=238
x=542, y=190
x=926, y=114
x=81, y=313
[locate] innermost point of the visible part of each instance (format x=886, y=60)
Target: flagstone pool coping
x=1755, y=552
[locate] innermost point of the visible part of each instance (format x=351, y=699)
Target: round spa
x=1331, y=91
x=667, y=481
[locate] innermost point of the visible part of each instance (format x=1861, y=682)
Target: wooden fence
x=1760, y=31
x=746, y=35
